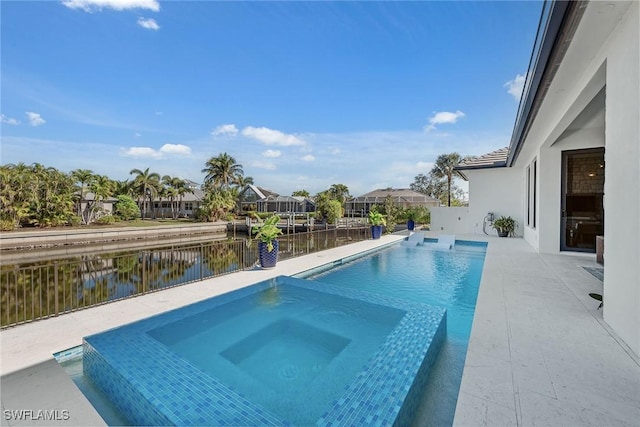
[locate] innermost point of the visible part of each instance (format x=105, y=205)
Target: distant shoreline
x=66, y=236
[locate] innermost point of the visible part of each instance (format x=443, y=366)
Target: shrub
x=333, y=211
x=75, y=220
x=7, y=224
x=106, y=219
x=126, y=208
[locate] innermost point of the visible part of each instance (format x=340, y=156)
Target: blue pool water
x=289, y=338
x=447, y=279
x=322, y=350
x=284, y=351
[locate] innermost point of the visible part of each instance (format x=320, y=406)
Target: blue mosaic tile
x=151, y=385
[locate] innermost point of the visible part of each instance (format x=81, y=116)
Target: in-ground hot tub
x=282, y=351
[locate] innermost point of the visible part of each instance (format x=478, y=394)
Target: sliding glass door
x=582, y=199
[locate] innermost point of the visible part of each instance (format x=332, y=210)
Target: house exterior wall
x=499, y=191
x=616, y=66
x=622, y=182
x=604, y=53
x=450, y=220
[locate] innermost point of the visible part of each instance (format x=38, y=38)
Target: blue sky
x=302, y=94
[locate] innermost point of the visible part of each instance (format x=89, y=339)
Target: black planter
x=411, y=224
x=268, y=259
x=376, y=231
x=503, y=233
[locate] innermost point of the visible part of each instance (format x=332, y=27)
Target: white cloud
x=148, y=23
x=335, y=151
x=35, y=119
x=272, y=153
x=515, y=86
x=228, y=129
x=263, y=165
x=424, y=165
x=97, y=5
x=175, y=149
x=141, y=152
x=271, y=136
x=138, y=134
x=151, y=153
x=308, y=158
x=442, y=117
x=9, y=120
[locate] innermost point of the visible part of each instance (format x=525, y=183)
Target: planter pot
x=411, y=224
x=503, y=233
x=376, y=231
x=268, y=259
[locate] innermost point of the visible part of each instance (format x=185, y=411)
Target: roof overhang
x=553, y=38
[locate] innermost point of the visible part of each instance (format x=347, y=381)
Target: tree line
x=42, y=196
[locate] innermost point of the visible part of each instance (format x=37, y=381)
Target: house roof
x=262, y=193
x=495, y=159
x=196, y=196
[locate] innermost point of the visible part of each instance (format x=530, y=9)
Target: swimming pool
x=448, y=279
x=281, y=352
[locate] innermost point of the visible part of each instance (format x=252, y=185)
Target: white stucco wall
x=450, y=220
x=622, y=181
x=500, y=191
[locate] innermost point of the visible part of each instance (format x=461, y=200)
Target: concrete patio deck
x=540, y=353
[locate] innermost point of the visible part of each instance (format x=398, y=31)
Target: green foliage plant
x=126, y=208
x=333, y=211
x=393, y=212
x=267, y=231
x=217, y=203
x=419, y=214
x=106, y=220
x=376, y=218
x=505, y=224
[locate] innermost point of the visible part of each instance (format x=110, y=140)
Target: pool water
x=285, y=348
x=284, y=351
x=447, y=279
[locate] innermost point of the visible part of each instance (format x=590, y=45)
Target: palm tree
x=183, y=188
x=101, y=187
x=339, y=192
x=443, y=168
x=176, y=189
x=122, y=188
x=84, y=177
x=222, y=171
x=301, y=193
x=243, y=181
x=146, y=185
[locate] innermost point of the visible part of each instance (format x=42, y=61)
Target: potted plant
x=267, y=234
x=411, y=218
x=376, y=219
x=505, y=226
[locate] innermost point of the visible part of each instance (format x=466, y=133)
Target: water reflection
x=45, y=282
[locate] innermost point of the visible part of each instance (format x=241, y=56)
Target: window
x=532, y=178
x=528, y=195
x=533, y=189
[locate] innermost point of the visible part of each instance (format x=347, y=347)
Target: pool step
x=445, y=242
x=414, y=239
